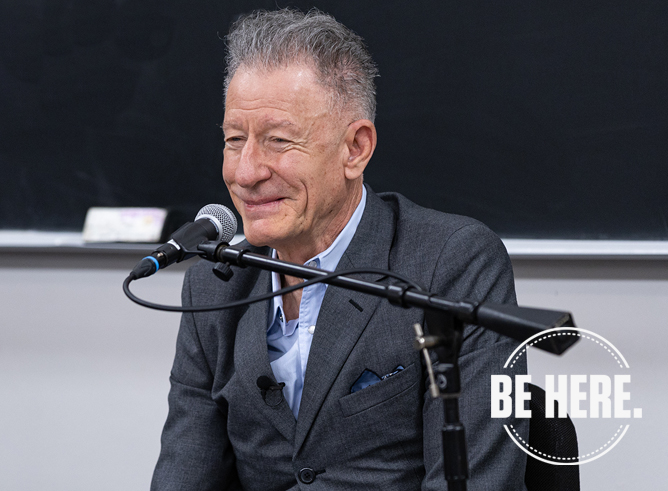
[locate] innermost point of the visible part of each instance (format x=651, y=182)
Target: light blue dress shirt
x=289, y=342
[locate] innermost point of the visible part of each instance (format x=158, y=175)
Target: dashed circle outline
x=522, y=348
x=544, y=334
x=579, y=462
x=566, y=458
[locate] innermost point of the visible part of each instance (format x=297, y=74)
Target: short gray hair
x=275, y=39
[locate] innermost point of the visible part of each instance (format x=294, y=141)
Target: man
x=299, y=132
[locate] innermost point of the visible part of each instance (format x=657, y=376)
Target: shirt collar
x=327, y=260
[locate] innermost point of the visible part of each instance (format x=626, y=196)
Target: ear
x=360, y=142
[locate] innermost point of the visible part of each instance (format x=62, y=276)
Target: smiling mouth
x=261, y=202
x=259, y=207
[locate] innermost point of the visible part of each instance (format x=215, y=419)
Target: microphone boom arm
x=515, y=322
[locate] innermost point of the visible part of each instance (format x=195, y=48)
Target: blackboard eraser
x=136, y=225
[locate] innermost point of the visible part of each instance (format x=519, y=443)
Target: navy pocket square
x=369, y=378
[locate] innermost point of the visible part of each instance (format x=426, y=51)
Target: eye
x=232, y=141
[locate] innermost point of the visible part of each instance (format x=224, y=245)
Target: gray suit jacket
x=222, y=434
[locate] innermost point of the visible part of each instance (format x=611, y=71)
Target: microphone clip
x=272, y=393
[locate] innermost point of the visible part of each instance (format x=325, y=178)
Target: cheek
x=289, y=172
x=228, y=170
x=329, y=180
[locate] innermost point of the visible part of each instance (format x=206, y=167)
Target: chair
x=554, y=436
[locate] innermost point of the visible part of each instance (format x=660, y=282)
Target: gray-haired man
x=299, y=133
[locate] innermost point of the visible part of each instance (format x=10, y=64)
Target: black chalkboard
x=542, y=119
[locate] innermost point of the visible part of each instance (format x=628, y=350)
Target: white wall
x=83, y=371
x=626, y=302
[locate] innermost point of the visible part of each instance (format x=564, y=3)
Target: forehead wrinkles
x=255, y=121
x=234, y=122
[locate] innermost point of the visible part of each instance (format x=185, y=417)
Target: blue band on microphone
x=157, y=264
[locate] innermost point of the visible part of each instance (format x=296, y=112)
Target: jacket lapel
x=252, y=360
x=340, y=323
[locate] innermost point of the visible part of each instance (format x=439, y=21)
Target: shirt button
x=312, y=264
x=311, y=329
x=307, y=475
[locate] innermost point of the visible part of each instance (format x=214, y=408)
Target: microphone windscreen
x=225, y=220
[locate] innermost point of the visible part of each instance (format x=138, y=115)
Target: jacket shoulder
x=427, y=227
x=456, y=256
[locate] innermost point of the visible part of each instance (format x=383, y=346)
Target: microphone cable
x=266, y=296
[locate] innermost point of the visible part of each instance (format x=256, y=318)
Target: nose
x=250, y=167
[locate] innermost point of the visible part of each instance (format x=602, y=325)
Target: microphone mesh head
x=226, y=221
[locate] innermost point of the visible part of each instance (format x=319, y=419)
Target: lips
x=261, y=207
x=260, y=201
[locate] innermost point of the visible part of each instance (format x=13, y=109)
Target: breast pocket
x=379, y=392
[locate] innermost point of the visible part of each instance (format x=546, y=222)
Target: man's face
x=284, y=157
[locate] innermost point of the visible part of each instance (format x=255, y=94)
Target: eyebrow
x=268, y=123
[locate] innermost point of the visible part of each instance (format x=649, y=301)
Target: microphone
x=266, y=384
x=213, y=222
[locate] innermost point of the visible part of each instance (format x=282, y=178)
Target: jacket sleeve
x=474, y=265
x=195, y=450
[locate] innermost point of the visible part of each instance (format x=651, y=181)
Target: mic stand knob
x=223, y=271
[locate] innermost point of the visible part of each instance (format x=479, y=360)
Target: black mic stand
x=445, y=321
x=445, y=340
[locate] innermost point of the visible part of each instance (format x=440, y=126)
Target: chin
x=255, y=239
x=261, y=238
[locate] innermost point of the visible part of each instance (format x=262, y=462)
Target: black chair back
x=553, y=436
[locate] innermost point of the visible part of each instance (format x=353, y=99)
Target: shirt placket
x=307, y=318
x=305, y=310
